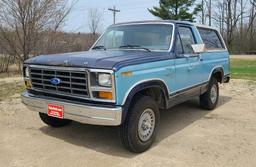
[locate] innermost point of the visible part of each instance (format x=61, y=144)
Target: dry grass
x=12, y=72
x=8, y=89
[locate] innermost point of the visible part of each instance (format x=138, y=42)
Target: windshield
x=144, y=36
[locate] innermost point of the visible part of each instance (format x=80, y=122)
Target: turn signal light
x=126, y=74
x=105, y=95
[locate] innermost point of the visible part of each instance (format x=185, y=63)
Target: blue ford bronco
x=133, y=71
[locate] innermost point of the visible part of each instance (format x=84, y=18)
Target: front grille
x=72, y=83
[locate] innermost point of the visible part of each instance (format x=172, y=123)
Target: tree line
x=235, y=19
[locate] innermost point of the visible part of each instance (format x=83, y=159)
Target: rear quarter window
x=211, y=39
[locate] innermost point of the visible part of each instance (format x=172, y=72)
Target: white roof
x=205, y=26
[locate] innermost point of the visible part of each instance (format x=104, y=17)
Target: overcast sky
x=131, y=10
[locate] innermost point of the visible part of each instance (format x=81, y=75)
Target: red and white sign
x=55, y=111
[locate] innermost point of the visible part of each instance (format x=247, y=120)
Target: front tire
x=210, y=98
x=139, y=130
x=54, y=122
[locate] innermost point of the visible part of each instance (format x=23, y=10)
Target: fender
x=142, y=86
x=215, y=70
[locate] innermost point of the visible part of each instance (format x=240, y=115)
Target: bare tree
x=206, y=11
x=23, y=21
x=231, y=19
x=95, y=19
x=203, y=12
x=219, y=16
x=210, y=12
x=251, y=25
x=243, y=5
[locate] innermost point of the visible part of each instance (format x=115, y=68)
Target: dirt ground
x=247, y=57
x=188, y=136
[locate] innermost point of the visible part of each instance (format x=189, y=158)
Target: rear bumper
x=95, y=115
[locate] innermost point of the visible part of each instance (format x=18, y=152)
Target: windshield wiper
x=99, y=47
x=135, y=47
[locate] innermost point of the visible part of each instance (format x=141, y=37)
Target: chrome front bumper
x=76, y=112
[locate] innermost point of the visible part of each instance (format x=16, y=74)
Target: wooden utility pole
x=114, y=10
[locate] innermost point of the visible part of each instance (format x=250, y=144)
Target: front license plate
x=55, y=111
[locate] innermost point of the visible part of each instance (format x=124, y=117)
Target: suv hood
x=110, y=59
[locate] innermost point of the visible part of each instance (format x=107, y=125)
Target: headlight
x=104, y=79
x=26, y=72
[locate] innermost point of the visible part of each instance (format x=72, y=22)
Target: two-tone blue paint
x=175, y=72
x=168, y=70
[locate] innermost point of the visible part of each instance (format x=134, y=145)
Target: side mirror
x=198, y=48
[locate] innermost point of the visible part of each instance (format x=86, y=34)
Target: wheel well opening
x=156, y=93
x=218, y=76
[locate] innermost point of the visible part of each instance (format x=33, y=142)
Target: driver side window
x=187, y=39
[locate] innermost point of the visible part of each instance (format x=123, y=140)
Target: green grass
x=9, y=89
x=243, y=69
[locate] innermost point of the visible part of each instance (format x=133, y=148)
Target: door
x=187, y=63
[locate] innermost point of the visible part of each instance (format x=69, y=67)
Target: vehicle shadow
x=181, y=116
x=106, y=139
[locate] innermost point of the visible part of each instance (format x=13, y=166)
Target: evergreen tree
x=176, y=9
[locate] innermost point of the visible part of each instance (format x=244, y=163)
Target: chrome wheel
x=213, y=94
x=146, y=124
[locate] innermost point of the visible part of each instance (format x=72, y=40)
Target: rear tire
x=54, y=122
x=209, y=99
x=139, y=130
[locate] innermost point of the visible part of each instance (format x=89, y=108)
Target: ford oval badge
x=55, y=81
